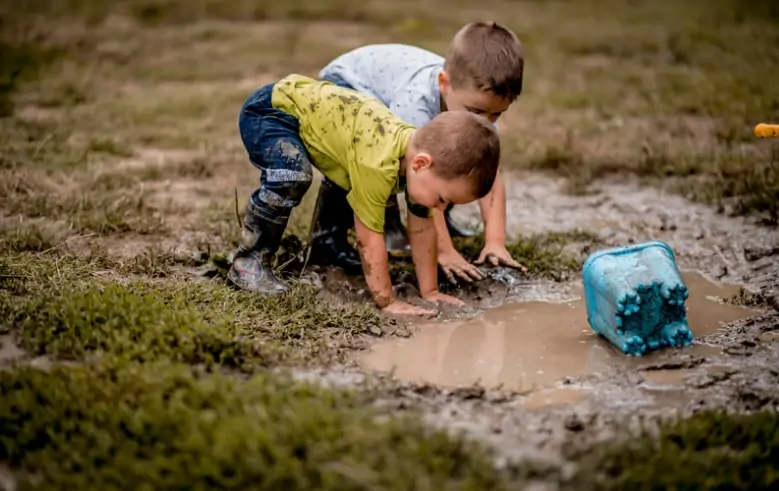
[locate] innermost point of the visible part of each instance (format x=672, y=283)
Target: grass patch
x=139, y=326
x=154, y=262
x=38, y=144
x=21, y=61
x=708, y=451
x=545, y=255
x=73, y=314
x=27, y=238
x=159, y=426
x=100, y=205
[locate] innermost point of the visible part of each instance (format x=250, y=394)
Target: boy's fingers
x=512, y=264
x=426, y=312
x=471, y=273
x=450, y=275
x=463, y=275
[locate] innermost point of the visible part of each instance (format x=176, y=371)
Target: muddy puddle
x=533, y=346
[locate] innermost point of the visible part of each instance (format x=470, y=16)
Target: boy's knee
x=291, y=173
x=298, y=188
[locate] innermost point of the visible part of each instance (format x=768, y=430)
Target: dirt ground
x=123, y=180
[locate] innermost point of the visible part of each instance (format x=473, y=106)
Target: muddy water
x=531, y=345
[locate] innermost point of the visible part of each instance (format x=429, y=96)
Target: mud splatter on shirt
x=352, y=138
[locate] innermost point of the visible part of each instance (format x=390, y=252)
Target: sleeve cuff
x=376, y=225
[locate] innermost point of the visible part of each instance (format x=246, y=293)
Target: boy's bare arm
x=422, y=235
x=373, y=254
x=493, y=212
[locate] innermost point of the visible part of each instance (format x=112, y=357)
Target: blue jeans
x=272, y=140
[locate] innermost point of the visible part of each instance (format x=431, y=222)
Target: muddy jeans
x=272, y=139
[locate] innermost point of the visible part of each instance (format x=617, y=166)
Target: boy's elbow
x=367, y=238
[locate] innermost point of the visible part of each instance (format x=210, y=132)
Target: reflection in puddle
x=529, y=345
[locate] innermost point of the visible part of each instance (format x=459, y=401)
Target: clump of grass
x=159, y=426
x=748, y=299
x=38, y=144
x=20, y=61
x=110, y=146
x=296, y=318
x=87, y=208
x=117, y=320
x=154, y=261
x=544, y=255
x=741, y=184
x=710, y=450
x=66, y=310
x=11, y=281
x=27, y=238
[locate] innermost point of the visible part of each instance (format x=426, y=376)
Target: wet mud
x=525, y=346
x=522, y=370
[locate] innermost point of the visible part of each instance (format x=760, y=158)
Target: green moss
x=69, y=313
x=121, y=321
x=158, y=426
x=709, y=451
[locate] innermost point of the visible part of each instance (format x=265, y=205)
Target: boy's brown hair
x=462, y=145
x=486, y=56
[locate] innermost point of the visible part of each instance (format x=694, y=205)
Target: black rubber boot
x=252, y=267
x=455, y=230
x=333, y=217
x=395, y=235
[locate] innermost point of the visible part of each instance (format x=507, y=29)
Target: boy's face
x=425, y=187
x=483, y=103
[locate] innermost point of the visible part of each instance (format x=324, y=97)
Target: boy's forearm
x=422, y=235
x=493, y=212
x=444, y=240
x=375, y=266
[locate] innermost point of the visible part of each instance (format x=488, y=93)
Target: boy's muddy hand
x=455, y=266
x=498, y=255
x=398, y=307
x=437, y=297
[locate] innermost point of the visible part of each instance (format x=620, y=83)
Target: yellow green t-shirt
x=353, y=139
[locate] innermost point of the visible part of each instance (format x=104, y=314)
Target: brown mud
x=521, y=369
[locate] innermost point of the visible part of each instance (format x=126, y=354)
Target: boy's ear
x=421, y=161
x=443, y=81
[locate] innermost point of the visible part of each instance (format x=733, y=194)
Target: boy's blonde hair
x=486, y=56
x=462, y=145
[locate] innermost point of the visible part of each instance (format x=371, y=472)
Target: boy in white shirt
x=482, y=73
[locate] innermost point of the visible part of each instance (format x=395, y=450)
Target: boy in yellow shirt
x=298, y=123
x=482, y=73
